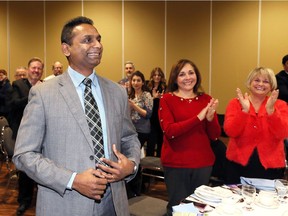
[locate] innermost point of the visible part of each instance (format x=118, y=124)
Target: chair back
x=7, y=140
x=3, y=122
x=7, y=143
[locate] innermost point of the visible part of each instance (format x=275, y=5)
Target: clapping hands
x=157, y=94
x=244, y=100
x=271, y=101
x=209, y=111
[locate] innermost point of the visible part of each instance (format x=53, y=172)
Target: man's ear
x=65, y=49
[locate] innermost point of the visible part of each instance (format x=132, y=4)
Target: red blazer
x=248, y=131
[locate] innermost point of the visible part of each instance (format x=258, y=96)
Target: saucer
x=273, y=206
x=220, y=210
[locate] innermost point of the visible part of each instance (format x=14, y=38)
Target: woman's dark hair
x=162, y=84
x=176, y=69
x=67, y=31
x=144, y=87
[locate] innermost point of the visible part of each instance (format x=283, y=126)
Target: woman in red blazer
x=257, y=124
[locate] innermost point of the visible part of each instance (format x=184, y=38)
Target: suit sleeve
x=130, y=145
x=29, y=145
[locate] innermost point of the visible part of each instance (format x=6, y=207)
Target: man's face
x=35, y=70
x=129, y=69
x=57, y=68
x=85, y=51
x=21, y=73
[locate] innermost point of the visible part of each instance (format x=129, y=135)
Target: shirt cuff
x=70, y=183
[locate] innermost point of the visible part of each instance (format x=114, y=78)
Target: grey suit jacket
x=54, y=141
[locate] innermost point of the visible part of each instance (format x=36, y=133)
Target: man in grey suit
x=54, y=146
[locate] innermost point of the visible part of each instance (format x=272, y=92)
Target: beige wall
x=3, y=36
x=226, y=39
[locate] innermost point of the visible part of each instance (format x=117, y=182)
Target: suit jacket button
x=91, y=157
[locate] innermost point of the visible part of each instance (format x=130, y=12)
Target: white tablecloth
x=235, y=209
x=258, y=211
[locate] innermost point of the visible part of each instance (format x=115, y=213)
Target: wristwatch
x=134, y=169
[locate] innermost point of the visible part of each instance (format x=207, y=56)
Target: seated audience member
x=20, y=72
x=57, y=69
x=141, y=104
x=256, y=123
x=156, y=86
x=129, y=69
x=189, y=122
x=4, y=88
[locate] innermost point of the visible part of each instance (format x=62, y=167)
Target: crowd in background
x=184, y=126
x=177, y=121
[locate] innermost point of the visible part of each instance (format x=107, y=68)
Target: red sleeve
x=278, y=121
x=235, y=119
x=213, y=128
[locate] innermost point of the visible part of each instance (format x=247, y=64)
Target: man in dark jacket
x=19, y=100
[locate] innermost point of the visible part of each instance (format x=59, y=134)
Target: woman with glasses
x=257, y=123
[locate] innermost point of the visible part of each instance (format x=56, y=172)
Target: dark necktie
x=93, y=119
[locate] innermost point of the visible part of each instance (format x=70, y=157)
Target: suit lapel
x=68, y=91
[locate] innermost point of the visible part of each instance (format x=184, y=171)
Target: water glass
x=248, y=193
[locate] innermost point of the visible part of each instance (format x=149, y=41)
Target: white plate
x=207, y=197
x=275, y=204
x=228, y=212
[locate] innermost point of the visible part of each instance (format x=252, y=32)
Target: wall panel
x=188, y=35
x=4, y=62
x=26, y=32
x=110, y=28
x=55, y=19
x=274, y=34
x=234, y=47
x=144, y=28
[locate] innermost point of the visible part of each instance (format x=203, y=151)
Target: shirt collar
x=77, y=78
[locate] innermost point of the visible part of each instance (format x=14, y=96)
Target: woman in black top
x=157, y=87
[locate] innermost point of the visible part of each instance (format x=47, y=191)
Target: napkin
x=261, y=184
x=185, y=209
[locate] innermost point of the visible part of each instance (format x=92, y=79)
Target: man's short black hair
x=67, y=35
x=284, y=59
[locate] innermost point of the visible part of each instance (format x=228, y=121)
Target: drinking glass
x=248, y=193
x=281, y=187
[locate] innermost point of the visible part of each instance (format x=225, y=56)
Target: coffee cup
x=267, y=198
